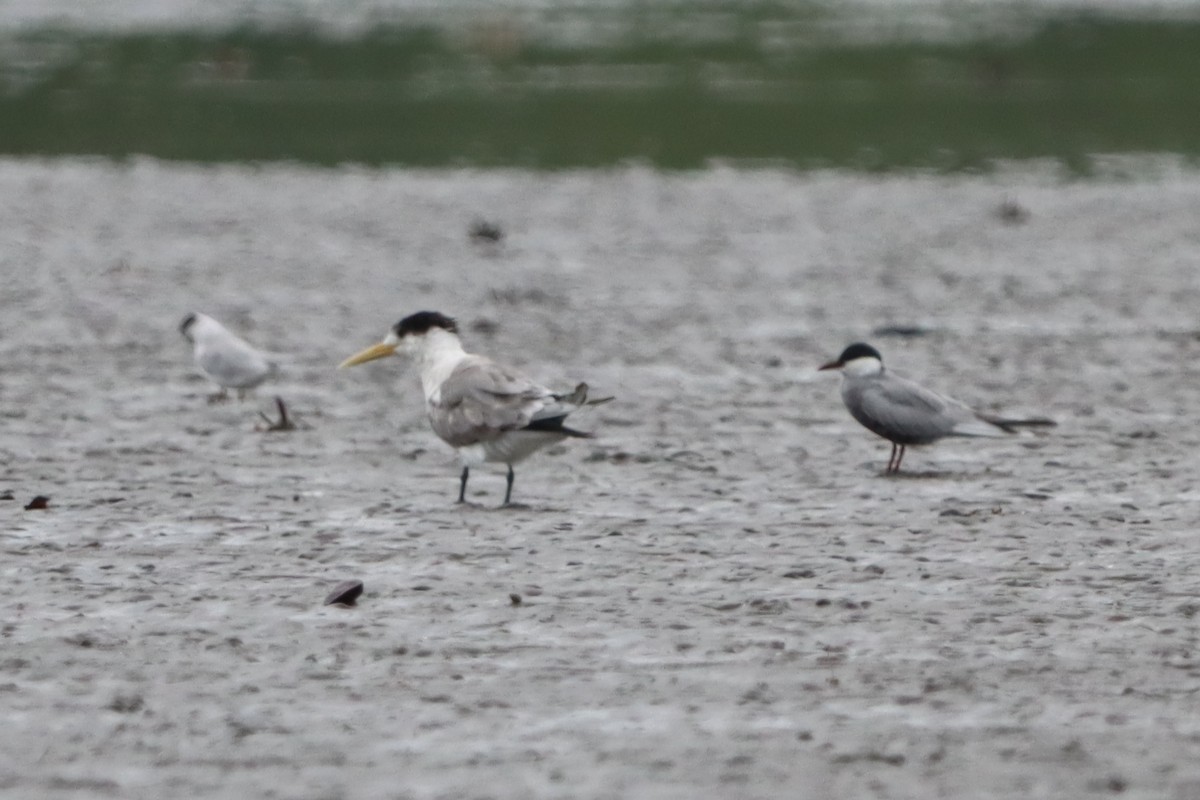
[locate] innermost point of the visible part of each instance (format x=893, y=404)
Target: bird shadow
x=504, y=507
x=928, y=474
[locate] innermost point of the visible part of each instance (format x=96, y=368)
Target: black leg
x=899, y=458
x=891, y=461
x=508, y=491
x=462, y=488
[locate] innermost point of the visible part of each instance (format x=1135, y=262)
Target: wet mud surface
x=720, y=596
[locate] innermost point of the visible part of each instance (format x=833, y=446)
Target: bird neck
x=440, y=353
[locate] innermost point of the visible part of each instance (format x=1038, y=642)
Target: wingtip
x=1013, y=425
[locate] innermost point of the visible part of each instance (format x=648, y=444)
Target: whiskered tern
x=906, y=413
x=225, y=359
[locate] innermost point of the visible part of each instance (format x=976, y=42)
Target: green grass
x=499, y=94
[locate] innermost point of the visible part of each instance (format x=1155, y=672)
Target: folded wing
x=907, y=413
x=234, y=364
x=482, y=400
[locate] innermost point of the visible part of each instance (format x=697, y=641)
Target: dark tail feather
x=577, y=397
x=1011, y=425
x=555, y=425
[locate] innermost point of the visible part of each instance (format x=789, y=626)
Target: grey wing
x=481, y=400
x=234, y=364
x=905, y=412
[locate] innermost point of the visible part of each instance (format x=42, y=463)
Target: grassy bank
x=741, y=83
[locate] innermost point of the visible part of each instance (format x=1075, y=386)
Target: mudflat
x=719, y=596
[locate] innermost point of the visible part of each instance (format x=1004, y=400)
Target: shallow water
x=929, y=15
x=721, y=595
x=864, y=86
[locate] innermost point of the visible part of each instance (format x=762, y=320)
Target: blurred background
x=556, y=83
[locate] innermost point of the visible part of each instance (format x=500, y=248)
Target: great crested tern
x=486, y=411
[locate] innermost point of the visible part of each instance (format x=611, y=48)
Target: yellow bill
x=370, y=354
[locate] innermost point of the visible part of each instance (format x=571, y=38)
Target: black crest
x=859, y=350
x=188, y=322
x=421, y=322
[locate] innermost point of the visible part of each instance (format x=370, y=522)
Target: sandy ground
x=721, y=595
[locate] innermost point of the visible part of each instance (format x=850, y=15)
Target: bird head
x=406, y=337
x=857, y=359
